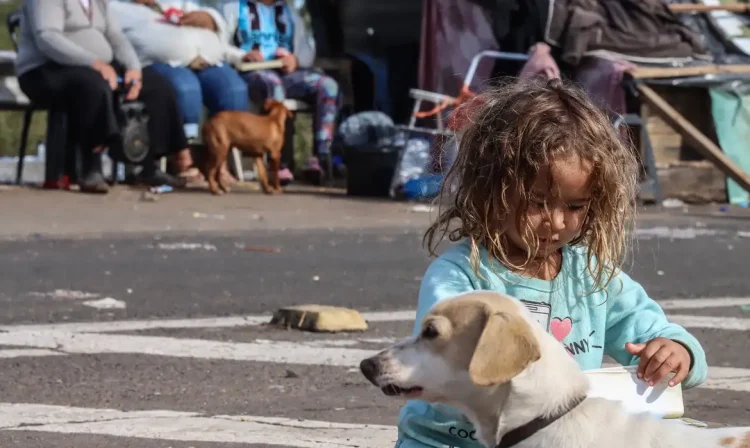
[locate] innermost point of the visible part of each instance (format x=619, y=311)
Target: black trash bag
x=371, y=128
x=371, y=145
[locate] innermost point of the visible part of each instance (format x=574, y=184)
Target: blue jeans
x=218, y=87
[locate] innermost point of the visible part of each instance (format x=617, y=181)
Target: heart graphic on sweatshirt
x=561, y=328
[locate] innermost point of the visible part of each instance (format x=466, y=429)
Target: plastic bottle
x=41, y=150
x=427, y=186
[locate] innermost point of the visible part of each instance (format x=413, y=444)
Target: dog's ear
x=268, y=104
x=505, y=347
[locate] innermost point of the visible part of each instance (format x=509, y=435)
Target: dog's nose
x=369, y=368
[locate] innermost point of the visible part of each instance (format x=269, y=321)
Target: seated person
x=195, y=60
x=72, y=51
x=270, y=29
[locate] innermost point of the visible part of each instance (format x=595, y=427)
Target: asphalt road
x=98, y=383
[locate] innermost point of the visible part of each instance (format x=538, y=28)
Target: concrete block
x=319, y=318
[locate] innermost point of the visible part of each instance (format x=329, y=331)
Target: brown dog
x=252, y=134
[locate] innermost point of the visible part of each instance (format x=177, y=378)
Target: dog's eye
x=429, y=332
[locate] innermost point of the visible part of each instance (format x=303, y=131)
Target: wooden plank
x=702, y=143
x=689, y=8
x=678, y=72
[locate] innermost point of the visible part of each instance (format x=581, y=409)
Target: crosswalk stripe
x=193, y=427
x=205, y=322
x=330, y=352
x=727, y=378
x=716, y=302
x=282, y=352
x=141, y=325
x=30, y=352
x=726, y=323
x=720, y=323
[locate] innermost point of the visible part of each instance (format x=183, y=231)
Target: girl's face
x=558, y=203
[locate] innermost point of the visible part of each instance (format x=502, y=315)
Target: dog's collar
x=522, y=433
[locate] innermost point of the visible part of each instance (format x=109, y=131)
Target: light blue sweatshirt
x=589, y=325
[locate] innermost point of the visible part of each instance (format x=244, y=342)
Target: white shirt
x=155, y=40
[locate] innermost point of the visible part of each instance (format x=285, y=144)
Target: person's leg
x=165, y=126
x=187, y=88
x=89, y=103
x=223, y=89
x=263, y=84
x=322, y=92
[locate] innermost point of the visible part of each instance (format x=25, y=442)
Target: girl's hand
x=290, y=63
x=659, y=357
x=253, y=56
x=288, y=60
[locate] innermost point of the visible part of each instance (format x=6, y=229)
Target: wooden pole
x=689, y=8
x=696, y=70
x=689, y=132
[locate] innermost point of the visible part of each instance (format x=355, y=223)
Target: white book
x=262, y=65
x=622, y=384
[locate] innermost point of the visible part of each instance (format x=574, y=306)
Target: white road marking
x=140, y=325
x=184, y=246
x=674, y=233
x=30, y=352
x=13, y=415
x=718, y=323
x=65, y=294
x=390, y=316
x=107, y=303
x=281, y=352
x=205, y=322
x=727, y=378
x=690, y=304
x=252, y=320
x=188, y=426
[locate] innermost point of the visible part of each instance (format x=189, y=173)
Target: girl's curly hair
x=507, y=135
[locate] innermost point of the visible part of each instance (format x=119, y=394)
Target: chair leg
x=287, y=152
x=22, y=148
x=237, y=162
x=329, y=168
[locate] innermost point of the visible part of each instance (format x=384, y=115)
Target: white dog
x=483, y=353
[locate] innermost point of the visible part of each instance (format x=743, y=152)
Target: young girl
x=543, y=204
